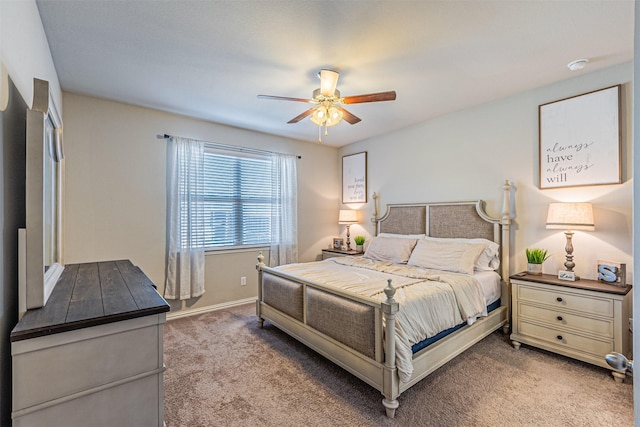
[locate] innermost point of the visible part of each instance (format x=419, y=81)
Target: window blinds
x=237, y=197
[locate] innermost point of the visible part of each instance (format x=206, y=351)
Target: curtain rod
x=232, y=147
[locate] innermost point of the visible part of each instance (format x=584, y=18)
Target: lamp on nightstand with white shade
x=569, y=217
x=348, y=217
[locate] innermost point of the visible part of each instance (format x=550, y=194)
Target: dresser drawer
x=565, y=300
x=54, y=367
x=559, y=318
x=566, y=339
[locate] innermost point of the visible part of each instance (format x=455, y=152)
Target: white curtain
x=185, y=219
x=284, y=211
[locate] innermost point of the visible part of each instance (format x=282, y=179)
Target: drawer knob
x=559, y=318
x=559, y=299
x=559, y=337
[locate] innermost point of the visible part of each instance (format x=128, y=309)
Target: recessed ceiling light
x=578, y=64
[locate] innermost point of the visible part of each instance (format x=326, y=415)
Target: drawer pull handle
x=559, y=337
x=559, y=299
x=559, y=318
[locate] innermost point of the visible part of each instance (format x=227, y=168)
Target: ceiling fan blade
x=347, y=116
x=370, y=97
x=285, y=98
x=299, y=117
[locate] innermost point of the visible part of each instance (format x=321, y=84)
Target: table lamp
x=569, y=217
x=348, y=217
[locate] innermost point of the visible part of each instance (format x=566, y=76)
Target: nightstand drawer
x=564, y=300
x=561, y=319
x=566, y=339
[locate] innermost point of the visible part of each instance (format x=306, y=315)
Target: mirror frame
x=39, y=280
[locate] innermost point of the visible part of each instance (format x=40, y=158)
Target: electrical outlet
x=243, y=281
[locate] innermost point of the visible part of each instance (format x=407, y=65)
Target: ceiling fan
x=327, y=110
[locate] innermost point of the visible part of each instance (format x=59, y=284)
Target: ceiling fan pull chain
x=320, y=134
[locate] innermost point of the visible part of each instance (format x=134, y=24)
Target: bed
x=364, y=313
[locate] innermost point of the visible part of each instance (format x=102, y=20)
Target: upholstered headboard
x=460, y=219
x=456, y=219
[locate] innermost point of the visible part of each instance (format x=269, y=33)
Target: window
x=237, y=200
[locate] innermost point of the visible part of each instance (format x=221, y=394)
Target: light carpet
x=223, y=370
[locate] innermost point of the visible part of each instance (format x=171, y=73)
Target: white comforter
x=430, y=301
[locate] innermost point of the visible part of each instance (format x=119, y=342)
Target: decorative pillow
x=489, y=259
x=397, y=250
x=458, y=257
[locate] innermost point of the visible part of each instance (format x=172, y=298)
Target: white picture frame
x=354, y=178
x=580, y=140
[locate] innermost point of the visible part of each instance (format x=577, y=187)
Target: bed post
x=259, y=266
x=505, y=221
x=376, y=213
x=391, y=387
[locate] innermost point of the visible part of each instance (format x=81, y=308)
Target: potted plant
x=535, y=258
x=359, y=243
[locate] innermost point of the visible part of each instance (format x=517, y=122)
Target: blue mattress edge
x=424, y=343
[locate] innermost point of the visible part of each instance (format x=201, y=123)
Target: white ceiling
x=209, y=59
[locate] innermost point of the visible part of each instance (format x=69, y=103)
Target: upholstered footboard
x=345, y=328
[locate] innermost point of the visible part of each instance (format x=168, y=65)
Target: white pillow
x=403, y=236
x=392, y=249
x=458, y=257
x=489, y=259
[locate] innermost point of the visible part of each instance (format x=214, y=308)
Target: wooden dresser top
x=92, y=294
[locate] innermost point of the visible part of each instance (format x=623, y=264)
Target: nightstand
x=330, y=253
x=585, y=319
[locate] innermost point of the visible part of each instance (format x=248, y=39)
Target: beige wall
x=469, y=154
x=115, y=198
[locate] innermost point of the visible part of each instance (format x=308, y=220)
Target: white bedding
x=490, y=282
x=431, y=301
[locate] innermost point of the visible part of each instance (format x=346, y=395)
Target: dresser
x=93, y=355
x=584, y=319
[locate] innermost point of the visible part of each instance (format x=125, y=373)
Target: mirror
x=41, y=249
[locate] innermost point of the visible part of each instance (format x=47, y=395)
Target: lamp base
x=569, y=276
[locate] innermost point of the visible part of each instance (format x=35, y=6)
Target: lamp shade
x=570, y=216
x=333, y=116
x=328, y=82
x=319, y=115
x=348, y=216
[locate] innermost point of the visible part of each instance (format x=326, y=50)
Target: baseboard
x=209, y=308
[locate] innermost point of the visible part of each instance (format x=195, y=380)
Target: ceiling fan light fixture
x=327, y=103
x=328, y=82
x=318, y=96
x=319, y=116
x=333, y=116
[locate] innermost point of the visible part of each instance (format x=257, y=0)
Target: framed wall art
x=580, y=140
x=354, y=178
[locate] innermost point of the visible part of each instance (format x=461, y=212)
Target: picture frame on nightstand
x=338, y=242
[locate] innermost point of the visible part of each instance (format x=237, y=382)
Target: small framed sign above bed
x=580, y=140
x=354, y=178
